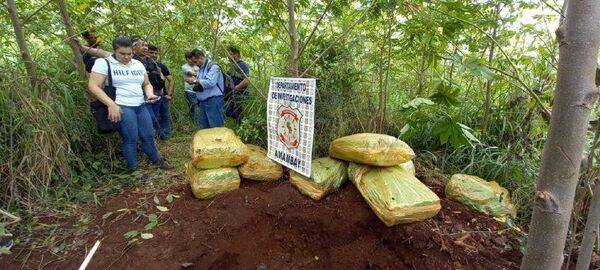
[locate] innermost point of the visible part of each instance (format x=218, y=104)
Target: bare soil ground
x=272, y=226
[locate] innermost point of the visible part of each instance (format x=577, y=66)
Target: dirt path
x=272, y=226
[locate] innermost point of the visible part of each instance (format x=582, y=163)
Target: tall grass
x=35, y=147
x=47, y=140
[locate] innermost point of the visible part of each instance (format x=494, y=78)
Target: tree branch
x=552, y=8
x=35, y=12
x=314, y=28
x=345, y=33
x=279, y=19
x=512, y=64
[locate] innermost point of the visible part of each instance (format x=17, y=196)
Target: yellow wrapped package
x=372, y=149
x=394, y=194
x=327, y=175
x=217, y=147
x=209, y=183
x=259, y=166
x=486, y=197
x=409, y=166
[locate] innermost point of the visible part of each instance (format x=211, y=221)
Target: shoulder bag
x=100, y=111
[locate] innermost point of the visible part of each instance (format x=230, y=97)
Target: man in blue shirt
x=208, y=86
x=240, y=77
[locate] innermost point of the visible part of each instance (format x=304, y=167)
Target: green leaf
x=417, y=102
x=476, y=67
x=162, y=208
x=446, y=95
x=170, y=198
x=4, y=251
x=156, y=200
x=467, y=133
x=105, y=216
x=152, y=218
x=150, y=225
x=147, y=236
x=457, y=134
x=404, y=129
x=131, y=234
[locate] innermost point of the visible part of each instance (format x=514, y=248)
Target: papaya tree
x=578, y=39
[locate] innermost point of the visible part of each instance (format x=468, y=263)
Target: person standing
x=190, y=71
x=241, y=79
x=92, y=39
x=155, y=76
x=164, y=89
x=133, y=90
x=208, y=85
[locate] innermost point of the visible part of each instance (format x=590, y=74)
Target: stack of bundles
x=215, y=154
x=384, y=175
x=395, y=195
x=259, y=167
x=327, y=176
x=486, y=197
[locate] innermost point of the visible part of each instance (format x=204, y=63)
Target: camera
x=198, y=87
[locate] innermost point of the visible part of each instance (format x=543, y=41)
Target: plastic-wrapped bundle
x=217, y=147
x=259, y=166
x=409, y=166
x=209, y=183
x=486, y=197
x=394, y=194
x=327, y=175
x=372, y=149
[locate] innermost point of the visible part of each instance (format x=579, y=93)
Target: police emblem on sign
x=288, y=126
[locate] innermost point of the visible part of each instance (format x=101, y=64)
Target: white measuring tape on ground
x=290, y=120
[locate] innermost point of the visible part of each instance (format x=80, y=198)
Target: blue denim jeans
x=211, y=112
x=192, y=101
x=161, y=118
x=136, y=122
x=234, y=105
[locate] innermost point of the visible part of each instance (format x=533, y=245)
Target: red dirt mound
x=272, y=226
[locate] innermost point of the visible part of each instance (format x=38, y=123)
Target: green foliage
x=446, y=95
x=474, y=66
x=457, y=134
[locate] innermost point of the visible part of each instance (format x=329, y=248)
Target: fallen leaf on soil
x=461, y=243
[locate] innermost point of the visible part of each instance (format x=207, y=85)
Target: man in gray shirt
x=190, y=71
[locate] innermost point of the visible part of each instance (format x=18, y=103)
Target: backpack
x=228, y=85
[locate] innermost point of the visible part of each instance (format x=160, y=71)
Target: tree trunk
x=488, y=86
x=294, y=71
x=24, y=51
x=591, y=230
x=387, y=74
x=574, y=99
x=421, y=74
x=216, y=33
x=71, y=35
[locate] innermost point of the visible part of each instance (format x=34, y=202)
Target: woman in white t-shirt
x=129, y=77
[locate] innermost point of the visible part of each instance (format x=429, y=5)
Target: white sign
x=290, y=116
